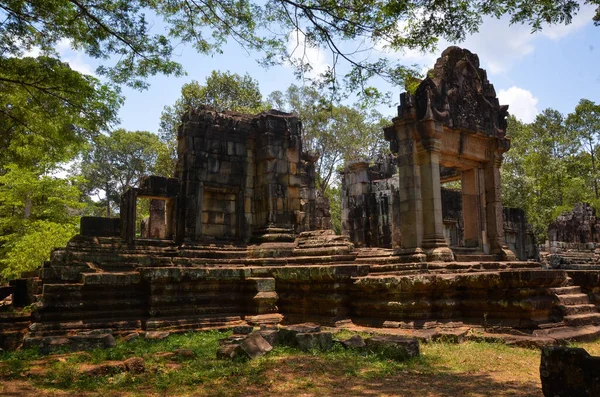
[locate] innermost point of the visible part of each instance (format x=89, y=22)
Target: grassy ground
x=469, y=369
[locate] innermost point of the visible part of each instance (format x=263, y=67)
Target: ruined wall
x=243, y=174
x=519, y=234
x=370, y=214
x=452, y=216
x=369, y=195
x=578, y=227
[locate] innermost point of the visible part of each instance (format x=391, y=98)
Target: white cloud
x=498, y=43
x=75, y=59
x=301, y=51
x=585, y=15
x=521, y=103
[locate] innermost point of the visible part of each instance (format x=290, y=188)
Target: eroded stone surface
x=568, y=372
x=395, y=347
x=253, y=346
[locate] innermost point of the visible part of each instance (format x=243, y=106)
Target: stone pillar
x=409, y=189
x=169, y=218
x=128, y=215
x=471, y=208
x=355, y=202
x=431, y=195
x=157, y=219
x=494, y=219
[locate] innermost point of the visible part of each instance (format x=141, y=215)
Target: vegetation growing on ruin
x=443, y=370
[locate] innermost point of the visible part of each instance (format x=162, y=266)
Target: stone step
x=574, y=299
x=577, y=309
x=73, y=315
x=583, y=333
x=474, y=258
x=566, y=290
x=576, y=320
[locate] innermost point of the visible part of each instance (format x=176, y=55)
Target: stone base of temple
x=100, y=283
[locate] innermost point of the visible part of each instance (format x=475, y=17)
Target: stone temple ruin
x=239, y=236
x=371, y=216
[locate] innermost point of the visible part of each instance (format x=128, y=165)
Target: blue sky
x=553, y=68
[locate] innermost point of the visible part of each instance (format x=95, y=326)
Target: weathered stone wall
x=369, y=196
x=519, y=234
x=242, y=174
x=576, y=228
x=452, y=216
x=371, y=217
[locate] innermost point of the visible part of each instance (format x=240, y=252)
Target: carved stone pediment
x=457, y=93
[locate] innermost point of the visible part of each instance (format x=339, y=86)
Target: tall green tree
x=48, y=111
x=585, y=123
x=221, y=90
x=38, y=212
x=117, y=161
x=337, y=132
x=545, y=172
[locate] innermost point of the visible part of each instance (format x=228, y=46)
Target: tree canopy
x=47, y=110
x=339, y=133
x=118, y=160
x=551, y=165
x=132, y=45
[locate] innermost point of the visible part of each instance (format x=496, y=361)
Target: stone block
x=110, y=368
x=569, y=372
x=242, y=329
x=354, y=342
x=135, y=365
x=51, y=344
x=314, y=341
x=253, y=346
x=287, y=334
x=157, y=335
x=394, y=347
x=226, y=352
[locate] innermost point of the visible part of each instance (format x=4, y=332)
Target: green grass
x=283, y=370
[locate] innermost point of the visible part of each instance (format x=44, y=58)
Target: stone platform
x=100, y=283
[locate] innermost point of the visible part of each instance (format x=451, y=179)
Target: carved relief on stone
x=457, y=93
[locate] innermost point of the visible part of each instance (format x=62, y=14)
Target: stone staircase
x=575, y=307
x=576, y=318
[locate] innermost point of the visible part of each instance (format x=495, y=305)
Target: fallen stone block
x=394, y=347
x=253, y=346
x=271, y=336
x=569, y=372
x=130, y=337
x=51, y=344
x=243, y=329
x=287, y=334
x=314, y=341
x=185, y=353
x=452, y=335
x=109, y=368
x=135, y=365
x=226, y=352
x=232, y=340
x=354, y=342
x=157, y=335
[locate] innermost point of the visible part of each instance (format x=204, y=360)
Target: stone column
x=157, y=220
x=494, y=219
x=128, y=215
x=409, y=187
x=471, y=208
x=431, y=195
